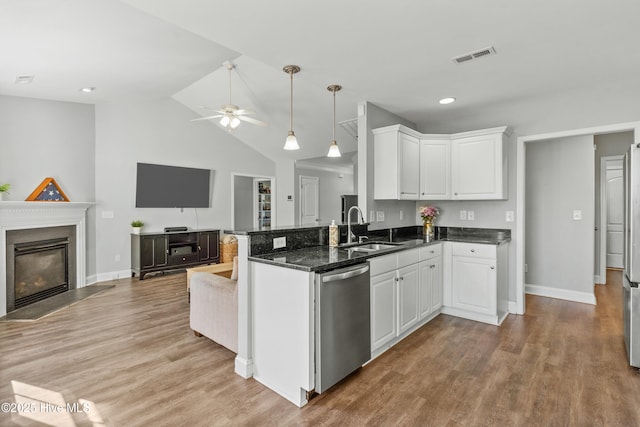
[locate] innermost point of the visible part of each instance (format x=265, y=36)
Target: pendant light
x=334, y=151
x=291, y=143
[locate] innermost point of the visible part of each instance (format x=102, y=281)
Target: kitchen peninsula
x=461, y=273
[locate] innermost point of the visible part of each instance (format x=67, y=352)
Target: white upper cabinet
x=396, y=163
x=464, y=166
x=479, y=165
x=435, y=168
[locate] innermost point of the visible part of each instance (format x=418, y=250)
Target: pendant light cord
x=291, y=103
x=334, y=115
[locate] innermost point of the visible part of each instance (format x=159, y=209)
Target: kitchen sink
x=371, y=247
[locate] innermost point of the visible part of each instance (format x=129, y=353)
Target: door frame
x=521, y=152
x=601, y=277
x=300, y=200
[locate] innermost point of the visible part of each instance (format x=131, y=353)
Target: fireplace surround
x=40, y=216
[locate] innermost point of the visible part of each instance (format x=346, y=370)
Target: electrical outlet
x=401, y=215
x=372, y=216
x=508, y=216
x=380, y=216
x=577, y=215
x=471, y=215
x=107, y=214
x=463, y=215
x=526, y=268
x=117, y=257
x=279, y=242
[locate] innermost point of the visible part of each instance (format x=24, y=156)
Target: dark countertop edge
x=410, y=244
x=281, y=228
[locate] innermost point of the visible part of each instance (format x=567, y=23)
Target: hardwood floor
x=130, y=352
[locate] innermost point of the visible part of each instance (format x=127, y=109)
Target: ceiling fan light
x=291, y=143
x=234, y=122
x=224, y=121
x=334, y=151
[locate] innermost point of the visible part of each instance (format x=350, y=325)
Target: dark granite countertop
x=324, y=258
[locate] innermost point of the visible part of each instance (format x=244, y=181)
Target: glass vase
x=428, y=230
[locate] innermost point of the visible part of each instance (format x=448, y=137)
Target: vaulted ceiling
x=397, y=55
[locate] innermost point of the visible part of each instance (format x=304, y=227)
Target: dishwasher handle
x=345, y=274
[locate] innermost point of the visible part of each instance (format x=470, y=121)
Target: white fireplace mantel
x=25, y=215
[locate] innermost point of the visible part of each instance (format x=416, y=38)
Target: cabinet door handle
x=184, y=259
x=432, y=266
x=493, y=267
x=199, y=248
x=473, y=250
x=167, y=251
x=396, y=279
x=402, y=278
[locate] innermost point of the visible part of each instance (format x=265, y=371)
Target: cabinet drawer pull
x=493, y=267
x=184, y=259
x=473, y=250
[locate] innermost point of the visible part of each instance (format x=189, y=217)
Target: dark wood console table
x=152, y=252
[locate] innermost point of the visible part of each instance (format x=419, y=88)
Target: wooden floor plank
x=130, y=351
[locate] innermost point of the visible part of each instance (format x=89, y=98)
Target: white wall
x=559, y=249
x=331, y=187
x=40, y=139
x=160, y=132
x=285, y=191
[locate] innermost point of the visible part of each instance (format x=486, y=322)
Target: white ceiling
x=394, y=54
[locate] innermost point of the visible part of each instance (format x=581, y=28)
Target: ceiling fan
x=229, y=114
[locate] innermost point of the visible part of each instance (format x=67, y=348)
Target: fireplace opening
x=41, y=270
x=41, y=263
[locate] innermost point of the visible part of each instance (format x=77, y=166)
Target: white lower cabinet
x=430, y=285
x=408, y=282
x=383, y=309
x=398, y=289
x=476, y=282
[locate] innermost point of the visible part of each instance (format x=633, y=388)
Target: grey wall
x=373, y=118
x=41, y=139
x=613, y=144
x=243, y=202
x=331, y=187
x=559, y=180
x=160, y=132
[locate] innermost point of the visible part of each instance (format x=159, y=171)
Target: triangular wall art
x=48, y=191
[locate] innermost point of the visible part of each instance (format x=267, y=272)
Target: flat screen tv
x=159, y=186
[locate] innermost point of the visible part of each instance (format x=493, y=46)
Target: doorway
x=612, y=211
x=630, y=128
x=252, y=206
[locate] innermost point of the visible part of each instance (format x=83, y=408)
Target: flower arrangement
x=428, y=213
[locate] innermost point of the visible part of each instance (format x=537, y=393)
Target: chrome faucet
x=349, y=234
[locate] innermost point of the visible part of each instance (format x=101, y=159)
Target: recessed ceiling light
x=87, y=89
x=21, y=80
x=445, y=101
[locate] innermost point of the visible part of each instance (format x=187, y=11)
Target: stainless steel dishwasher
x=343, y=324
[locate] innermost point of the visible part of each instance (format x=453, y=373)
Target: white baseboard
x=244, y=367
x=513, y=307
x=113, y=275
x=565, y=294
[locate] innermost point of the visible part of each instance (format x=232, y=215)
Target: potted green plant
x=136, y=226
x=4, y=188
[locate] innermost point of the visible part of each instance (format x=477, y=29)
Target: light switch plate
x=279, y=242
x=380, y=216
x=372, y=216
x=508, y=216
x=463, y=215
x=107, y=214
x=471, y=215
x=577, y=215
x=401, y=215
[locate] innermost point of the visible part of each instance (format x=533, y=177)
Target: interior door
x=309, y=200
x=615, y=216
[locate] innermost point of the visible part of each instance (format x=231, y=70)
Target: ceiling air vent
x=474, y=55
x=351, y=127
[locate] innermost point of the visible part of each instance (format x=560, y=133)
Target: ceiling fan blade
x=206, y=118
x=217, y=110
x=243, y=112
x=252, y=120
